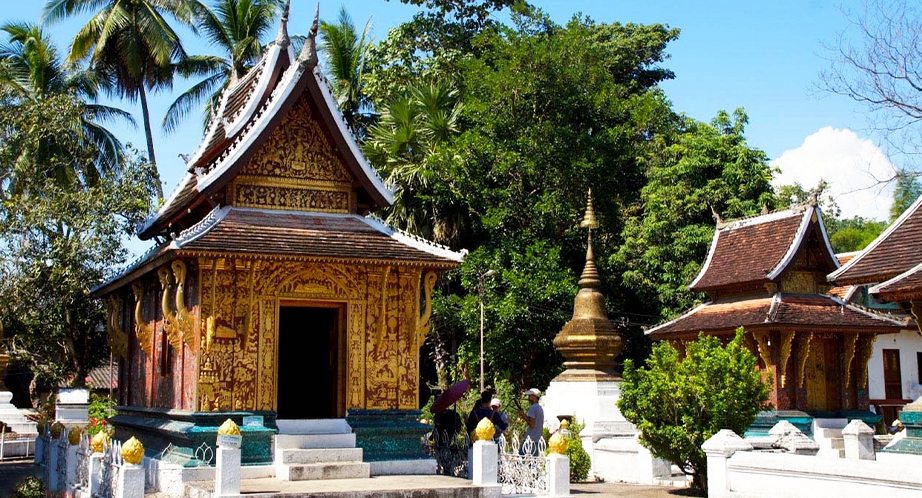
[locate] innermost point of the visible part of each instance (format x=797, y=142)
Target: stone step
x=314, y=441
x=317, y=471
x=327, y=455
x=313, y=426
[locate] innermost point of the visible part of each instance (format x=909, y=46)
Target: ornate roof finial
x=765, y=209
x=589, y=219
x=308, y=56
x=716, y=215
x=282, y=38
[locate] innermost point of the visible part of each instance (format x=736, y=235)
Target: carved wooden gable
x=297, y=169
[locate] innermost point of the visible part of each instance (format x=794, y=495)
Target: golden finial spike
x=589, y=219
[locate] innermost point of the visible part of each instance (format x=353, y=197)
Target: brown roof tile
x=778, y=312
x=907, y=285
x=748, y=250
x=895, y=251
x=310, y=234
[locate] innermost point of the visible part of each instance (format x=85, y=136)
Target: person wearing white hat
x=535, y=420
x=497, y=411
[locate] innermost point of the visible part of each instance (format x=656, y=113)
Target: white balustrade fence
x=522, y=467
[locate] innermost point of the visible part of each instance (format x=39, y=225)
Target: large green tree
x=236, y=28
x=694, y=173
x=31, y=72
x=678, y=402
x=130, y=45
x=61, y=240
x=905, y=192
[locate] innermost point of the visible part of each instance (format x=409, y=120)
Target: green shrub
x=30, y=487
x=101, y=409
x=579, y=459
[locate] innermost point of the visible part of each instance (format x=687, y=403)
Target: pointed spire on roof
x=716, y=215
x=282, y=39
x=765, y=209
x=308, y=56
x=589, y=219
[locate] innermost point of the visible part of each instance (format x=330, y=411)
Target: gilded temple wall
x=241, y=298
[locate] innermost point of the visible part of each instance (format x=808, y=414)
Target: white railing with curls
x=522, y=466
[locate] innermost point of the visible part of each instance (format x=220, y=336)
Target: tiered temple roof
x=893, y=260
x=768, y=272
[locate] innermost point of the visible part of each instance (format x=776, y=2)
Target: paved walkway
x=620, y=489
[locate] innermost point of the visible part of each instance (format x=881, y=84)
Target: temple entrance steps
x=317, y=449
x=828, y=435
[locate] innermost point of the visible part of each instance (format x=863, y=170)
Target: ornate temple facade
x=271, y=290
x=768, y=274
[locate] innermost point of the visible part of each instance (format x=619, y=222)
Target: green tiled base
x=766, y=420
x=912, y=443
x=388, y=434
x=186, y=431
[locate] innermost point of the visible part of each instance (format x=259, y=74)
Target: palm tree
x=235, y=27
x=344, y=53
x=130, y=45
x=31, y=72
x=405, y=146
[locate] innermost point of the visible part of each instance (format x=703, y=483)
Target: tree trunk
x=142, y=93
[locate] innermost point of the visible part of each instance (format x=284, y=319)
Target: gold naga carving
x=865, y=349
x=424, y=323
x=183, y=319
x=803, y=351
x=142, y=329
x=848, y=354
x=787, y=342
x=915, y=308
x=169, y=327
x=118, y=339
x=764, y=341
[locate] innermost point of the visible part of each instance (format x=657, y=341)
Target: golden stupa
x=589, y=342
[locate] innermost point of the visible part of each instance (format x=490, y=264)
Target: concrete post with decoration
x=227, y=466
x=859, y=441
x=719, y=448
x=70, y=472
x=485, y=461
x=558, y=463
x=98, y=444
x=131, y=473
x=54, y=455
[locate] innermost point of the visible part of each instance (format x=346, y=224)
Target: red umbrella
x=450, y=396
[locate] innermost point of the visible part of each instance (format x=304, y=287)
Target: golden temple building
x=272, y=291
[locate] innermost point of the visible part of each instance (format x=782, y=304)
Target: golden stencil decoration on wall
x=424, y=324
x=142, y=329
x=865, y=349
x=799, y=282
x=183, y=319
x=804, y=339
x=850, y=342
x=267, y=350
x=169, y=326
x=356, y=357
x=333, y=281
x=292, y=198
x=787, y=343
x=118, y=339
x=299, y=148
x=381, y=344
x=407, y=343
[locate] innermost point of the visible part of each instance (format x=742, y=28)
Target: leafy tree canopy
x=906, y=191
x=694, y=173
x=678, y=403
x=60, y=240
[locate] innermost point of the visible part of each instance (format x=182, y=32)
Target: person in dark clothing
x=483, y=410
x=448, y=422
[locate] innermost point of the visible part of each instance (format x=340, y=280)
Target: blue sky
x=763, y=56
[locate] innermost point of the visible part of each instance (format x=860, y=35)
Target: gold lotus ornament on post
x=485, y=430
x=229, y=435
x=99, y=442
x=557, y=444
x=133, y=451
x=56, y=429
x=73, y=437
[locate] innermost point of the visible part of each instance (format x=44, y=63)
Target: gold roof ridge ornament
x=589, y=342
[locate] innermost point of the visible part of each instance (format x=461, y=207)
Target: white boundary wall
x=909, y=343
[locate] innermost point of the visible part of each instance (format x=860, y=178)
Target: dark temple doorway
x=308, y=376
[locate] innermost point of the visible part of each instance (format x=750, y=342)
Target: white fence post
x=558, y=475
x=859, y=441
x=485, y=467
x=94, y=471
x=719, y=448
x=227, y=470
x=130, y=481
x=70, y=480
x=51, y=470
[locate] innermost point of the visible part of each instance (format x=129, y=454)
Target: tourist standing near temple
x=535, y=420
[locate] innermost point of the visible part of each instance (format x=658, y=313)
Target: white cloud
x=852, y=166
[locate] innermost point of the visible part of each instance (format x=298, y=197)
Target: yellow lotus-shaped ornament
x=42, y=425
x=229, y=428
x=557, y=444
x=56, y=430
x=133, y=451
x=73, y=437
x=99, y=442
x=485, y=430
